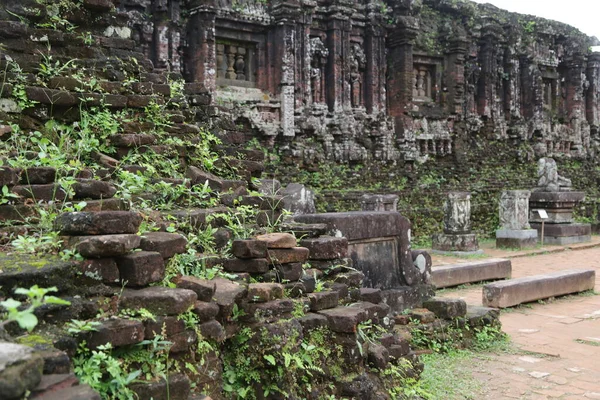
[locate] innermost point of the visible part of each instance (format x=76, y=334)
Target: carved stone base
x=563, y=234
x=462, y=242
x=516, y=239
x=558, y=205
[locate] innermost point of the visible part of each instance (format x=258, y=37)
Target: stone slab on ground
x=522, y=290
x=474, y=271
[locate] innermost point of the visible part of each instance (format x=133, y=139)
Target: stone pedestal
x=455, y=242
x=558, y=205
x=559, y=228
x=379, y=202
x=457, y=236
x=563, y=234
x=515, y=231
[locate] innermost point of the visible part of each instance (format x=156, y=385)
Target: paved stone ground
x=559, y=339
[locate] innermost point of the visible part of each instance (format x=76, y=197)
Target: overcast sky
x=582, y=14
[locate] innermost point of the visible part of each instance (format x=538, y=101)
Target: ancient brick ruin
x=395, y=81
x=384, y=85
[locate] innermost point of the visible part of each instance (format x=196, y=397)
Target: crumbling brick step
x=475, y=271
x=522, y=290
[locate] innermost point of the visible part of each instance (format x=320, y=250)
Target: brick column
x=201, y=48
x=592, y=98
x=334, y=72
x=400, y=67
x=375, y=72
x=455, y=76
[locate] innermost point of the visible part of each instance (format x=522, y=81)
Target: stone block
x=558, y=205
x=379, y=202
x=103, y=269
x=312, y=321
x=8, y=177
x=79, y=392
x=141, y=268
x=474, y=271
x=228, y=293
x=176, y=388
x=371, y=295
x=456, y=242
x=446, y=308
x=132, y=140
x=353, y=279
x=206, y=311
x=118, y=332
x=423, y=315
x=378, y=356
x=482, y=316
x=564, y=234
x=20, y=370
x=250, y=265
x=263, y=292
x=199, y=177
x=93, y=189
x=167, y=244
x=270, y=311
x=183, y=341
x=249, y=248
x=159, y=300
x=107, y=245
x=38, y=175
x=53, y=382
x=326, y=247
x=105, y=205
x=375, y=312
x=290, y=272
x=55, y=362
x=19, y=212
x=167, y=325
x=47, y=192
x=212, y=330
x=522, y=290
x=278, y=240
x=98, y=223
x=344, y=319
x=358, y=225
x=204, y=289
x=323, y=300
x=286, y=256
x=298, y=199
x=516, y=239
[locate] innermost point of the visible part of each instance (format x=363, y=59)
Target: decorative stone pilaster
x=457, y=236
x=515, y=231
x=201, y=47
x=400, y=57
x=593, y=91
x=455, y=75
x=285, y=13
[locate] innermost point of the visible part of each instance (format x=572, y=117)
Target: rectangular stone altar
x=379, y=247
x=560, y=228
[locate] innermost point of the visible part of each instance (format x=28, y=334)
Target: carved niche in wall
x=358, y=63
x=318, y=59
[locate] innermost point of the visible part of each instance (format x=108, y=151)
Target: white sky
x=582, y=14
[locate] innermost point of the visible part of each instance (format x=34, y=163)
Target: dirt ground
x=558, y=339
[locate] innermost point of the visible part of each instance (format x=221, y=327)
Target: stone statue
x=549, y=179
x=318, y=59
x=358, y=62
